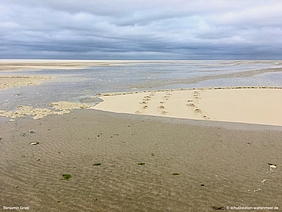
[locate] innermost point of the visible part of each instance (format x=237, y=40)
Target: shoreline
x=244, y=104
x=189, y=89
x=240, y=104
x=140, y=151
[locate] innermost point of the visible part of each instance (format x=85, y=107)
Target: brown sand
x=257, y=105
x=219, y=164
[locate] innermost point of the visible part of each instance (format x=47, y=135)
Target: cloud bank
x=141, y=29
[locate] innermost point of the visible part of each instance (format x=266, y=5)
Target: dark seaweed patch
x=66, y=176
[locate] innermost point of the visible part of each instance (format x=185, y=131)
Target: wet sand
x=33, y=65
x=121, y=162
x=10, y=81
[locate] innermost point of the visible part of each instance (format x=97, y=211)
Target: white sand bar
x=256, y=105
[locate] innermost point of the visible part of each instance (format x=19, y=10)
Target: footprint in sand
x=145, y=101
x=203, y=115
x=206, y=117
x=152, y=94
x=197, y=110
x=168, y=93
x=190, y=105
x=141, y=111
x=164, y=112
x=166, y=97
x=196, y=95
x=146, y=98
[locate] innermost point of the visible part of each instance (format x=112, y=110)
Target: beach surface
x=256, y=105
x=91, y=160
x=194, y=149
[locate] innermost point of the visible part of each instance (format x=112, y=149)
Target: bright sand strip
x=16, y=65
x=256, y=105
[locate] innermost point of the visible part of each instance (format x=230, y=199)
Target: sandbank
x=16, y=65
x=256, y=105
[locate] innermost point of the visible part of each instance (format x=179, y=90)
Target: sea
x=81, y=85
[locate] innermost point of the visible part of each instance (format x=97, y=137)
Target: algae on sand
x=66, y=176
x=176, y=173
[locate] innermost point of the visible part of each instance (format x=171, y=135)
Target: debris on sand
x=272, y=166
x=141, y=164
x=66, y=176
x=34, y=143
x=175, y=173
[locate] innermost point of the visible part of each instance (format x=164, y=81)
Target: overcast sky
x=141, y=29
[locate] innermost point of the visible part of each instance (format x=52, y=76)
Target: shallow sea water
x=81, y=84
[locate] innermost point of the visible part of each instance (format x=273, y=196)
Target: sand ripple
x=217, y=167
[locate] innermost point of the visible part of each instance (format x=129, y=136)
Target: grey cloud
x=142, y=29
